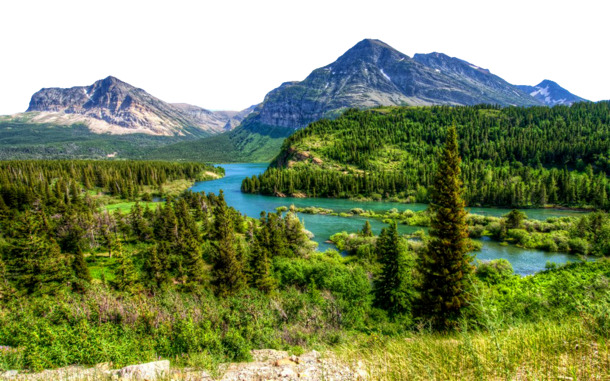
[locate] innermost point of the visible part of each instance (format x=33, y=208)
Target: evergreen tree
x=445, y=264
x=393, y=291
x=259, y=270
x=157, y=265
x=514, y=219
x=127, y=275
x=227, y=269
x=5, y=287
x=80, y=269
x=367, y=231
x=34, y=262
x=190, y=251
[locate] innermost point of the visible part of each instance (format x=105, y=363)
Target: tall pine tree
x=393, y=286
x=445, y=264
x=227, y=269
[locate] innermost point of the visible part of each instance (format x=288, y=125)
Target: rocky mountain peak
x=112, y=106
x=550, y=93
x=370, y=51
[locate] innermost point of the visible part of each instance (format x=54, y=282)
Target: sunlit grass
x=541, y=351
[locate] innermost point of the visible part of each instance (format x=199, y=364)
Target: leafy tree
x=445, y=264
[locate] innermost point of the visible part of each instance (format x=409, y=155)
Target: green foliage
x=367, y=231
x=513, y=156
x=494, y=271
x=514, y=219
x=34, y=263
x=228, y=267
x=23, y=140
x=394, y=286
x=245, y=144
x=445, y=263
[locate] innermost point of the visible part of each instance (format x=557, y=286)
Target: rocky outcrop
x=113, y=106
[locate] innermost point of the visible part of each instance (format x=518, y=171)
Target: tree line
x=517, y=157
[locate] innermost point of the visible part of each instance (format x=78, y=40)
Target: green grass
x=541, y=351
x=101, y=263
x=125, y=207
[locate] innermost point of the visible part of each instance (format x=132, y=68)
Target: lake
x=524, y=261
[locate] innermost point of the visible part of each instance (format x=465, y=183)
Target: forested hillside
x=513, y=156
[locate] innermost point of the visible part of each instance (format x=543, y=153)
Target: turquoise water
x=524, y=261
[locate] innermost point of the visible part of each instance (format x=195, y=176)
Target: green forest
x=512, y=157
x=190, y=279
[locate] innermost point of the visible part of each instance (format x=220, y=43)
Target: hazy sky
x=226, y=55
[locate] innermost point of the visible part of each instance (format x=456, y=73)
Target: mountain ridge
x=551, y=94
x=112, y=106
x=372, y=74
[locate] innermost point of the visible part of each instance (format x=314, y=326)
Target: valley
x=390, y=217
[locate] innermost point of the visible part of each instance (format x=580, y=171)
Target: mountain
x=369, y=74
x=373, y=73
x=551, y=94
x=486, y=87
x=218, y=120
x=115, y=107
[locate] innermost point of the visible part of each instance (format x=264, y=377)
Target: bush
x=578, y=246
x=494, y=271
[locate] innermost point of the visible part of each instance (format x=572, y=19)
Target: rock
x=148, y=371
x=105, y=366
x=284, y=362
x=9, y=374
x=288, y=373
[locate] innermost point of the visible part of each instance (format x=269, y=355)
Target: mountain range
x=115, y=107
x=369, y=74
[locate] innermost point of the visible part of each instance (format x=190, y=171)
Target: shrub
x=494, y=271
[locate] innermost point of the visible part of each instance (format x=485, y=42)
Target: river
x=524, y=261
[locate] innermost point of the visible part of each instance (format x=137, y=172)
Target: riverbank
x=323, y=226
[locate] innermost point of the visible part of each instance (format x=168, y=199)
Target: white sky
x=226, y=55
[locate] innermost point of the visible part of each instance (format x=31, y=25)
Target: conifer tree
x=445, y=264
x=80, y=269
x=228, y=270
x=190, y=250
x=157, y=265
x=34, y=262
x=367, y=231
x=393, y=291
x=259, y=270
x=127, y=275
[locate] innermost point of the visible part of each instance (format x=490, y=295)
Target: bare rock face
x=113, y=106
